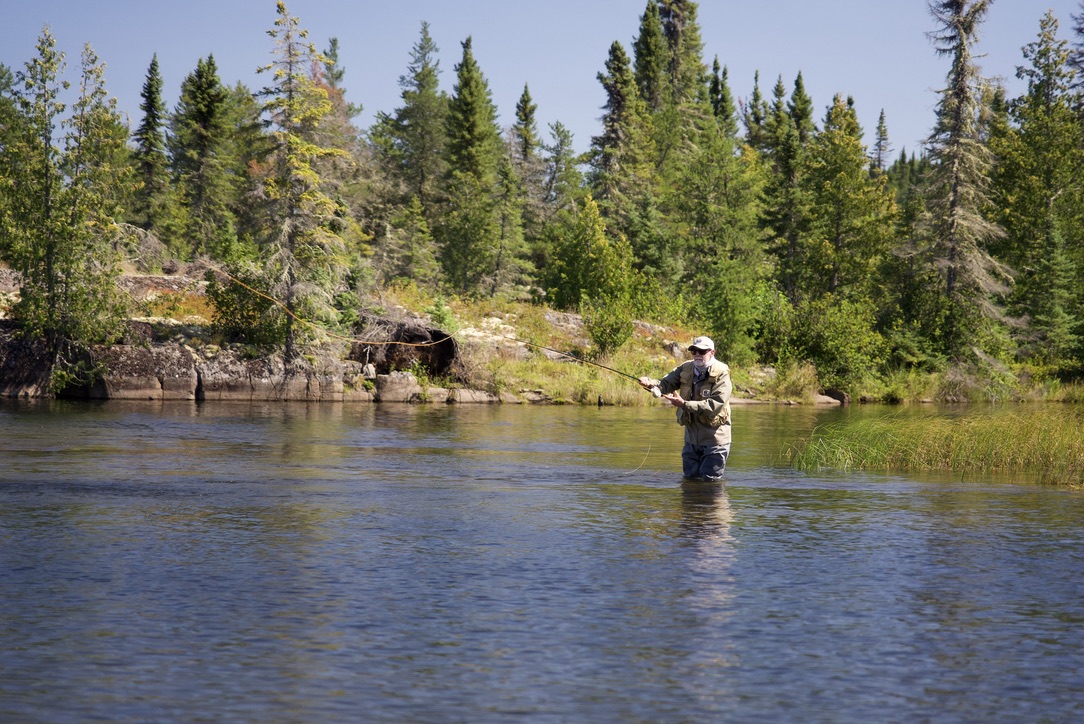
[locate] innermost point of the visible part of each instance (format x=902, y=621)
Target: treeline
x=778, y=231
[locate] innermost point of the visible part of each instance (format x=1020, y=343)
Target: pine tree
x=471, y=232
x=150, y=152
x=60, y=218
x=850, y=214
x=686, y=69
x=958, y=194
x=722, y=102
x=200, y=168
x=755, y=117
x=651, y=59
x=800, y=108
x=302, y=251
x=621, y=172
x=881, y=146
x=1037, y=179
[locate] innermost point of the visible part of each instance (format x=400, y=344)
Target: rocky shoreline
x=161, y=360
x=178, y=371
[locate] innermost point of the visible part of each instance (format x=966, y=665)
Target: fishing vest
x=707, y=387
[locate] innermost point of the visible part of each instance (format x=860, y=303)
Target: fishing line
x=654, y=390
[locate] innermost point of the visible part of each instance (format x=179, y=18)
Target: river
x=394, y=563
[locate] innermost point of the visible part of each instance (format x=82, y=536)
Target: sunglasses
x=699, y=352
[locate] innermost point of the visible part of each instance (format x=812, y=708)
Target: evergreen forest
x=792, y=236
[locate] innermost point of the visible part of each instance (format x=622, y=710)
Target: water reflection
x=309, y=562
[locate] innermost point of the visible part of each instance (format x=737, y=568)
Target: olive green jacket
x=706, y=415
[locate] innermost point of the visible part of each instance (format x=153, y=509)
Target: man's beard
x=700, y=363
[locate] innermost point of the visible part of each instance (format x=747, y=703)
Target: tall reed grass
x=1046, y=441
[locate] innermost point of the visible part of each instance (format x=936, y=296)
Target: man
x=700, y=390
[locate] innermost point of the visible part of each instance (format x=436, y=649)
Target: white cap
x=702, y=343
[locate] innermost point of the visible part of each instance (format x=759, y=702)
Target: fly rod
x=655, y=391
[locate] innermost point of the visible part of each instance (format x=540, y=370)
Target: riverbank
x=407, y=348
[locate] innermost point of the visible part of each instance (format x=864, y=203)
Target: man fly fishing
x=700, y=390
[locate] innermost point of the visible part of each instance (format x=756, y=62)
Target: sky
x=876, y=51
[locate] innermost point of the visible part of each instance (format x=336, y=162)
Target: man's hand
x=674, y=399
x=647, y=383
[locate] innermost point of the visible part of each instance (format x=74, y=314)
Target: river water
x=391, y=563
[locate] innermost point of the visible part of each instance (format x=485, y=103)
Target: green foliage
x=244, y=310
x=410, y=144
x=1046, y=443
x=442, y=316
x=958, y=195
x=302, y=251
x=651, y=58
x=197, y=151
x=58, y=220
x=593, y=272
x=150, y=152
x=1037, y=178
x=795, y=244
x=474, y=141
x=407, y=251
x=836, y=335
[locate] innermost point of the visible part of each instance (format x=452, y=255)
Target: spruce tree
x=755, y=117
x=1037, y=180
x=722, y=102
x=150, y=152
x=200, y=168
x=301, y=250
x=800, y=108
x=651, y=59
x=411, y=142
x=621, y=171
x=409, y=252
x=334, y=74
x=850, y=214
x=723, y=265
x=686, y=68
x=470, y=233
x=563, y=178
x=474, y=146
x=959, y=190
x=881, y=146
x=527, y=165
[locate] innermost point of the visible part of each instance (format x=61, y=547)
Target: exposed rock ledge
x=174, y=371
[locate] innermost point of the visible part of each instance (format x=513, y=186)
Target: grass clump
x=1045, y=441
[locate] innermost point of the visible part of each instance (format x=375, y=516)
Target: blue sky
x=873, y=50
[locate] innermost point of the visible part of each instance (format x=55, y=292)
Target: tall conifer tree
x=301, y=249
x=651, y=59
x=471, y=231
x=200, y=168
x=1038, y=183
x=959, y=191
x=722, y=102
x=150, y=151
